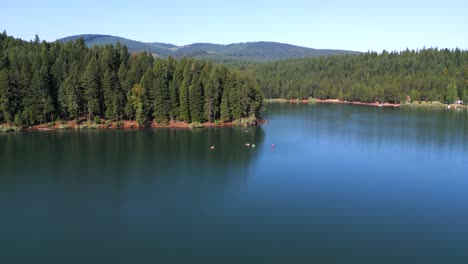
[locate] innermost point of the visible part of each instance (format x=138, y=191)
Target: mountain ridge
x=260, y=51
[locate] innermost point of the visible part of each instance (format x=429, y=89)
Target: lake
x=342, y=184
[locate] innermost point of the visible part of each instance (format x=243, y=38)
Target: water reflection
x=71, y=189
x=434, y=130
x=341, y=182
x=77, y=159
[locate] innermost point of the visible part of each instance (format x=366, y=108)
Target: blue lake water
x=342, y=184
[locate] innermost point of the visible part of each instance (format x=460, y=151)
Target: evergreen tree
x=122, y=78
x=162, y=103
x=129, y=109
x=6, y=108
x=414, y=95
x=452, y=93
x=234, y=97
x=91, y=86
x=110, y=96
x=196, y=99
x=124, y=55
x=136, y=98
x=228, y=98
x=147, y=85
x=69, y=94
x=46, y=89
x=171, y=65
x=465, y=96
x=31, y=104
x=184, y=93
x=213, y=90
x=174, y=88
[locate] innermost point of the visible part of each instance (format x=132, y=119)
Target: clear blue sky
x=354, y=25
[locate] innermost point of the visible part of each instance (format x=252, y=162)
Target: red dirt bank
x=127, y=124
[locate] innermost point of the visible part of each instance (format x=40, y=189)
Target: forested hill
x=41, y=82
x=424, y=75
x=231, y=53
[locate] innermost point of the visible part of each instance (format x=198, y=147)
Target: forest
x=422, y=75
x=43, y=82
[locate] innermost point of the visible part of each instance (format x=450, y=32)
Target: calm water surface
x=344, y=184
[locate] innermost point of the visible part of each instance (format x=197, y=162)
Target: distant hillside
x=250, y=51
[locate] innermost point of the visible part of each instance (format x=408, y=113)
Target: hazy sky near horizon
x=353, y=25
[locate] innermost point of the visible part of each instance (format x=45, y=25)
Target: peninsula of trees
x=41, y=82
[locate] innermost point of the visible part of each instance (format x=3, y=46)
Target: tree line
x=422, y=75
x=42, y=82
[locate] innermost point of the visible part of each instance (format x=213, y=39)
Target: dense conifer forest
x=424, y=75
x=41, y=82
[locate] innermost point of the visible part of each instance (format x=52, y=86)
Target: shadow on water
x=91, y=192
x=142, y=154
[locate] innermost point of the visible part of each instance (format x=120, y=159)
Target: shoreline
x=337, y=101
x=327, y=101
x=416, y=104
x=126, y=124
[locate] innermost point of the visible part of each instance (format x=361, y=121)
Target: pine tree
x=139, y=64
x=6, y=108
x=31, y=104
x=227, y=99
x=110, y=96
x=69, y=94
x=171, y=65
x=184, y=93
x=124, y=55
x=91, y=87
x=137, y=95
x=414, y=95
x=251, y=99
x=174, y=88
x=60, y=68
x=452, y=93
x=124, y=88
x=213, y=91
x=46, y=92
x=196, y=99
x=129, y=110
x=465, y=96
x=161, y=107
x=147, y=85
x=235, y=97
